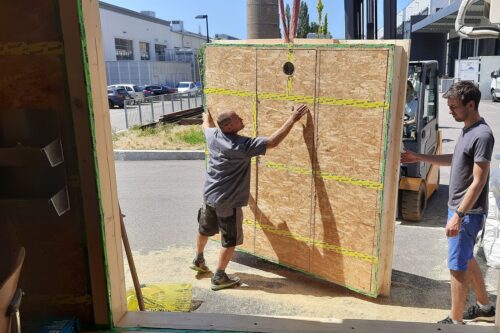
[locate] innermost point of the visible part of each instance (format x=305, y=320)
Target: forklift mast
x=421, y=135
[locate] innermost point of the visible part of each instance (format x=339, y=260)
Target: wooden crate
x=323, y=202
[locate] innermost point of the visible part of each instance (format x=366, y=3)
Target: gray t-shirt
x=475, y=144
x=228, y=173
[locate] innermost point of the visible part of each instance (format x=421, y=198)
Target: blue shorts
x=461, y=247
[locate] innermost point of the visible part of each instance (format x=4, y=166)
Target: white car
x=495, y=85
x=187, y=87
x=133, y=90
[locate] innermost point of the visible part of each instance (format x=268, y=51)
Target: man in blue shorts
x=467, y=203
x=227, y=186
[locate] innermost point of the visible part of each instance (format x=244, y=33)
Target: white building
x=141, y=49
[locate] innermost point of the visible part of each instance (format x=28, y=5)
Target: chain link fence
x=150, y=109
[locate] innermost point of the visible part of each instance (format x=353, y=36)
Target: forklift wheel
x=413, y=204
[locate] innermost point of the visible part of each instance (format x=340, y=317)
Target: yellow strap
x=325, y=175
x=22, y=48
x=323, y=245
x=365, y=104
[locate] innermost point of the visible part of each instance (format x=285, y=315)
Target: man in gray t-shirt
x=227, y=186
x=467, y=203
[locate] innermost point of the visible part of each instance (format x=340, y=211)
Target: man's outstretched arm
x=278, y=136
x=208, y=122
x=411, y=157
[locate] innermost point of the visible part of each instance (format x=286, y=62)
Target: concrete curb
x=155, y=155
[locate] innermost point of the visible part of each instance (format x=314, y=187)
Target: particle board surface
x=319, y=201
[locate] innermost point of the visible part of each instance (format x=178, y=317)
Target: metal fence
x=150, y=109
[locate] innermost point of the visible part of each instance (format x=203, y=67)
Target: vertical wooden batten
x=82, y=124
x=104, y=158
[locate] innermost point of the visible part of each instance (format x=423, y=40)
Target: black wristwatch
x=460, y=214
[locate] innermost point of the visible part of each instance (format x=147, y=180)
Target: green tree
x=314, y=27
x=325, y=25
x=303, y=23
x=319, y=7
x=288, y=15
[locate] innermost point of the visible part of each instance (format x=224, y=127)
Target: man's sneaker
x=475, y=313
x=223, y=281
x=448, y=320
x=199, y=266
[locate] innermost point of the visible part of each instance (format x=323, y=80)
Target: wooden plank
x=390, y=194
x=104, y=158
x=227, y=322
x=84, y=145
x=296, y=41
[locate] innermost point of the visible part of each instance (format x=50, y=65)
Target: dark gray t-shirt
x=228, y=172
x=475, y=144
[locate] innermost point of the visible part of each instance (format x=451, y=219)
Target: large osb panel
x=319, y=194
x=284, y=178
x=350, y=155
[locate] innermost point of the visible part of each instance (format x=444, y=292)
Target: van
x=187, y=87
x=133, y=90
x=495, y=85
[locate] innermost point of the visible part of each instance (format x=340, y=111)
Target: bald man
x=227, y=186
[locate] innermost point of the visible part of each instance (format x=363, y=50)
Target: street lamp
x=206, y=18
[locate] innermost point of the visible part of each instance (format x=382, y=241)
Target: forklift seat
x=10, y=296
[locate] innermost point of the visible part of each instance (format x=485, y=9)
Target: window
x=124, y=49
x=430, y=97
x=160, y=52
x=144, y=50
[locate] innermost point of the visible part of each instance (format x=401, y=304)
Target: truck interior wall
x=44, y=100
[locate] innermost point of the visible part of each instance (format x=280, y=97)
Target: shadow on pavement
x=407, y=289
x=436, y=212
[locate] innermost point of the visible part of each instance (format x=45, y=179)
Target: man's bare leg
x=224, y=257
x=460, y=282
x=201, y=242
x=477, y=282
x=198, y=263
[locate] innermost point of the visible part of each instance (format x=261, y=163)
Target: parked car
x=169, y=89
x=495, y=85
x=117, y=97
x=133, y=90
x=160, y=89
x=187, y=87
x=146, y=92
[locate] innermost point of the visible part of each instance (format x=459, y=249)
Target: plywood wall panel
x=349, y=142
x=238, y=64
x=320, y=203
x=29, y=22
x=284, y=216
x=353, y=73
x=44, y=73
x=249, y=215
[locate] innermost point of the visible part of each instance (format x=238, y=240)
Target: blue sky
x=229, y=16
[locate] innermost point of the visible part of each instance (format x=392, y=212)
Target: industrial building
x=430, y=24
x=140, y=48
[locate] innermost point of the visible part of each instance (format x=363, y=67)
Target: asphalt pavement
x=160, y=200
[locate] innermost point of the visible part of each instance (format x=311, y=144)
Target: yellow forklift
x=421, y=134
